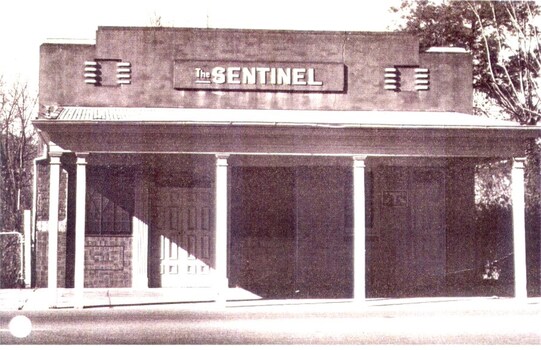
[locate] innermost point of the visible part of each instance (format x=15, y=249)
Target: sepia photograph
x=234, y=172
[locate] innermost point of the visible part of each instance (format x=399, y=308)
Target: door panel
x=263, y=231
x=427, y=249
x=413, y=226
x=182, y=237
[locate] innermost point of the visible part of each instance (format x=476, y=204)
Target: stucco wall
x=450, y=81
x=61, y=74
x=152, y=52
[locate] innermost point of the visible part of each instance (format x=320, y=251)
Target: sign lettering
x=278, y=76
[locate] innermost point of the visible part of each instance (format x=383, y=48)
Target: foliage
x=18, y=145
x=10, y=262
x=493, y=184
x=156, y=20
x=503, y=39
x=505, y=45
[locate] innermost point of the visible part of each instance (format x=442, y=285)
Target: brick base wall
x=108, y=262
x=42, y=262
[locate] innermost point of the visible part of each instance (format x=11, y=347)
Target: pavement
x=38, y=300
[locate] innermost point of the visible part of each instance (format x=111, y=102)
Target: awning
x=333, y=119
x=281, y=132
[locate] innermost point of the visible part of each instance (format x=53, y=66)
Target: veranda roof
x=283, y=132
x=334, y=118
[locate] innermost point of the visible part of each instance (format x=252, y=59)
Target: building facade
x=286, y=163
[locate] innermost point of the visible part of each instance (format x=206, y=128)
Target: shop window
x=109, y=202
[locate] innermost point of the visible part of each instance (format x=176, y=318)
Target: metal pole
x=27, y=248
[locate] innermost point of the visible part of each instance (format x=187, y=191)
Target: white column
x=54, y=195
x=80, y=221
x=27, y=248
x=519, y=228
x=359, y=230
x=140, y=235
x=220, y=248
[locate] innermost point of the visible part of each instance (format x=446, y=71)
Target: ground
x=377, y=321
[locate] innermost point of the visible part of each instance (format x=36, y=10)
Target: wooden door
x=412, y=224
x=263, y=231
x=426, y=251
x=182, y=244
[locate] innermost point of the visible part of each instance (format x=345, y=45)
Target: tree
x=18, y=145
x=503, y=39
x=505, y=44
x=156, y=20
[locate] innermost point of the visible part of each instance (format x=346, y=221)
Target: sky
x=26, y=24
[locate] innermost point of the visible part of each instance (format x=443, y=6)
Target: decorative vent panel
x=422, y=79
x=392, y=79
x=92, y=72
x=406, y=78
x=107, y=72
x=123, y=73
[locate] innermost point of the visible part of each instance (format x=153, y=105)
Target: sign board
x=259, y=76
x=395, y=199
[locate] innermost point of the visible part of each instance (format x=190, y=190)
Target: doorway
x=290, y=231
x=412, y=219
x=262, y=254
x=181, y=249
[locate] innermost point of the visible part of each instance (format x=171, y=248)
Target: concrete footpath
x=38, y=299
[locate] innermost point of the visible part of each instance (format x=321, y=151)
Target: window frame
x=111, y=190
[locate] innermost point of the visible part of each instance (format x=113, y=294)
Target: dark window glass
x=109, y=201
